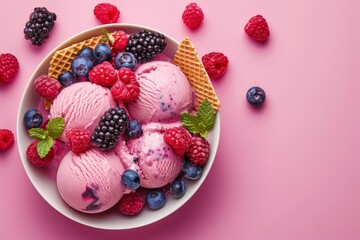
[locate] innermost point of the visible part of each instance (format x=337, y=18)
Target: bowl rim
x=69, y=41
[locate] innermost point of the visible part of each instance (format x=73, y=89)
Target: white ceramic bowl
x=47, y=186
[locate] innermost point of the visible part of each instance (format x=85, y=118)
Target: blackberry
x=145, y=45
x=111, y=125
x=40, y=23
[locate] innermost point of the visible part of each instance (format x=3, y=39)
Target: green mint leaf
x=56, y=127
x=190, y=122
x=206, y=115
x=43, y=147
x=204, y=134
x=37, y=133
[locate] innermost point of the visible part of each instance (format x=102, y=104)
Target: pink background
x=287, y=171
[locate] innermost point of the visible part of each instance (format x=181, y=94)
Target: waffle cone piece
x=190, y=63
x=61, y=61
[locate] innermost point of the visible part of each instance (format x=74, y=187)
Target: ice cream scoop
x=149, y=155
x=165, y=92
x=90, y=182
x=81, y=105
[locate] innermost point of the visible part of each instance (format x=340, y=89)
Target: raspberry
x=47, y=87
x=6, y=139
x=179, y=139
x=199, y=150
x=106, y=13
x=34, y=157
x=128, y=88
x=79, y=140
x=103, y=74
x=9, y=67
x=131, y=204
x=258, y=29
x=215, y=64
x=193, y=15
x=118, y=41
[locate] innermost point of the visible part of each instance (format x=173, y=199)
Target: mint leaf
x=43, y=147
x=37, y=133
x=56, y=127
x=190, y=122
x=206, y=116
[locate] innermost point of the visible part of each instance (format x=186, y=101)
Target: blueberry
x=67, y=78
x=134, y=129
x=102, y=53
x=33, y=118
x=191, y=171
x=87, y=52
x=125, y=59
x=256, y=96
x=177, y=188
x=81, y=66
x=130, y=179
x=155, y=200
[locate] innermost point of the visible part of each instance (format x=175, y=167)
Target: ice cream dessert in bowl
x=119, y=128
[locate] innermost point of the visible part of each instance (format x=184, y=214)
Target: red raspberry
x=103, y=74
x=258, y=29
x=34, y=157
x=128, y=88
x=79, y=140
x=47, y=87
x=106, y=13
x=199, y=150
x=118, y=41
x=179, y=139
x=6, y=139
x=215, y=64
x=9, y=67
x=131, y=204
x=193, y=15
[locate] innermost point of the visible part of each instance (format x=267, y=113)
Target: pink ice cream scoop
x=81, y=105
x=149, y=155
x=90, y=182
x=165, y=92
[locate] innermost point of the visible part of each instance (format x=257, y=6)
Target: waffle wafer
x=190, y=63
x=61, y=61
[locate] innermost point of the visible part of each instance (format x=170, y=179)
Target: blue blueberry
x=134, y=129
x=125, y=59
x=81, y=66
x=191, y=171
x=155, y=200
x=87, y=52
x=256, y=96
x=177, y=188
x=130, y=179
x=102, y=53
x=32, y=118
x=67, y=78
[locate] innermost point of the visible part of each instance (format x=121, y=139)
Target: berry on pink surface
x=9, y=67
x=106, y=13
x=258, y=29
x=192, y=15
x=199, y=150
x=215, y=64
x=6, y=139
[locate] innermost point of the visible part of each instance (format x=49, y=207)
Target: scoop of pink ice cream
x=81, y=105
x=91, y=181
x=149, y=155
x=165, y=92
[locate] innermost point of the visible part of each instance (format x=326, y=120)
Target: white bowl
x=46, y=186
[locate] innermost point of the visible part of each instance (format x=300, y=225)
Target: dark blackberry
x=40, y=23
x=111, y=125
x=145, y=45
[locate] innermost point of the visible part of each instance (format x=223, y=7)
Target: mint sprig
x=54, y=129
x=202, y=122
